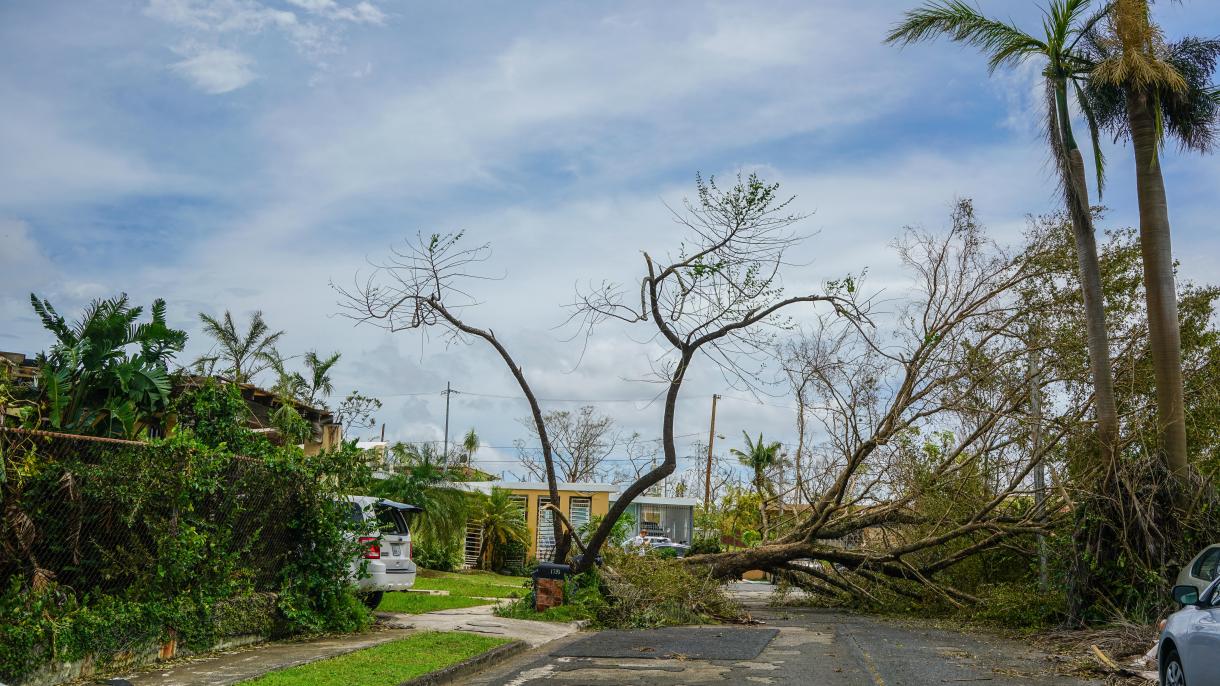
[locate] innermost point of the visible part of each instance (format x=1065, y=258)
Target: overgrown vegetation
x=211, y=532
x=636, y=592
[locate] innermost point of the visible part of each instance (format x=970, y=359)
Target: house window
x=579, y=510
x=546, y=531
x=650, y=518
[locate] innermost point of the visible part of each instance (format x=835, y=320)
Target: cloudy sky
x=242, y=154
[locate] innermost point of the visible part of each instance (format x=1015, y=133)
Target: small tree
x=760, y=457
x=242, y=355
x=581, y=442
x=503, y=522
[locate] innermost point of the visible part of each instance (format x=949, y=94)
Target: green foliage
x=441, y=555
x=107, y=373
x=241, y=355
x=582, y=600
x=622, y=530
x=646, y=592
x=420, y=478
x=704, y=545
x=211, y=531
x=502, y=521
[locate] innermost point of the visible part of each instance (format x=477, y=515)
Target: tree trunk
x=1159, y=289
x=1077, y=196
x=762, y=502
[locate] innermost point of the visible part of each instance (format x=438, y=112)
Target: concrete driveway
x=810, y=647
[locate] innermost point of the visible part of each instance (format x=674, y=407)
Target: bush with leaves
x=107, y=374
x=210, y=532
x=648, y=592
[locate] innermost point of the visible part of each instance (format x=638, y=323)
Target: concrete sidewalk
x=480, y=620
x=231, y=666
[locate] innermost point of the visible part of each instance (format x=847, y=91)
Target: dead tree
x=424, y=286
x=719, y=298
x=925, y=461
x=580, y=443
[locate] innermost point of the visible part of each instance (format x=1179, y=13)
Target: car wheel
x=1174, y=676
x=372, y=600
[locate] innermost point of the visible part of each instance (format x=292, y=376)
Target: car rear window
x=390, y=521
x=1208, y=565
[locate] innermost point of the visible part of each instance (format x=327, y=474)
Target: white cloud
x=216, y=70
x=52, y=157
x=22, y=262
x=316, y=33
x=360, y=13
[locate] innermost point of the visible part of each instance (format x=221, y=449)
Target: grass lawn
x=416, y=603
x=388, y=663
x=562, y=613
x=477, y=586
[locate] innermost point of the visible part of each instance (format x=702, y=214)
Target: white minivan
x=385, y=537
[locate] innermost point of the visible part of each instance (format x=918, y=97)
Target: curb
x=452, y=673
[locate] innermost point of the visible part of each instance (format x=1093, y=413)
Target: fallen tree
x=927, y=455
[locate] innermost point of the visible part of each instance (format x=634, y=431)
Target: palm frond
x=1099, y=156
x=1003, y=43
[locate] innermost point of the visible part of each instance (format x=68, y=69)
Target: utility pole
x=448, y=392
x=1035, y=411
x=707, y=477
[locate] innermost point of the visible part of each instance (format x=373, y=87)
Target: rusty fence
x=104, y=516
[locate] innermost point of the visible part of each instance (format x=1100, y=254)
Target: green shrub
x=705, y=545
x=646, y=592
x=1020, y=606
x=212, y=532
x=442, y=556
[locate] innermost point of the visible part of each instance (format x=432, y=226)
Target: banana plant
x=107, y=373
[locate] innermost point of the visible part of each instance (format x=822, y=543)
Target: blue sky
x=241, y=154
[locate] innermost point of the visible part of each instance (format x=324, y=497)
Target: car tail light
x=409, y=549
x=372, y=549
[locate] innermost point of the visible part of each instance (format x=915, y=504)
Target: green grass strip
x=478, y=587
x=416, y=603
x=385, y=664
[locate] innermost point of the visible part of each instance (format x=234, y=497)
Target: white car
x=1188, y=653
x=385, y=564
x=1202, y=570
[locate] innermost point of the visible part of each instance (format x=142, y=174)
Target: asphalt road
x=811, y=647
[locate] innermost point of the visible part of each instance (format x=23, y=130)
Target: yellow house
x=579, y=502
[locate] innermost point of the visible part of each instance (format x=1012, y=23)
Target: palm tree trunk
x=762, y=502
x=1159, y=287
x=1077, y=195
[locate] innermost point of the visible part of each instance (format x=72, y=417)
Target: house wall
x=599, y=505
x=676, y=520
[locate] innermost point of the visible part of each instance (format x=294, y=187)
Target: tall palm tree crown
x=244, y=354
x=1066, y=23
x=1142, y=89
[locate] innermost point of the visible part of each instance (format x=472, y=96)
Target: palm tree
x=1067, y=66
x=1142, y=88
x=420, y=479
x=317, y=383
x=244, y=354
x=502, y=520
x=471, y=445
x=760, y=457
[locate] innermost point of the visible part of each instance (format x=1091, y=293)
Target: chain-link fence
x=103, y=516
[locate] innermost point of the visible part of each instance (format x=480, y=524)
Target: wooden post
x=707, y=477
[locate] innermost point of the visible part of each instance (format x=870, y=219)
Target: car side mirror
x=1186, y=595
